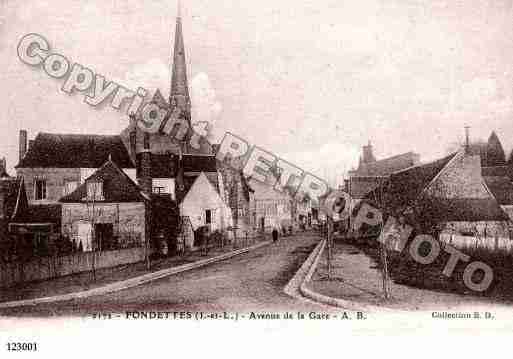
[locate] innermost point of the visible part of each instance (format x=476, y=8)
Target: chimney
x=368, y=156
x=132, y=137
x=23, y=144
x=133, y=143
x=145, y=180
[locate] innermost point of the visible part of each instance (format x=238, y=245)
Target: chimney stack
x=133, y=143
x=367, y=155
x=145, y=180
x=132, y=138
x=23, y=144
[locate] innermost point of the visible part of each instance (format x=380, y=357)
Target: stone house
x=107, y=211
x=54, y=165
x=449, y=197
x=203, y=205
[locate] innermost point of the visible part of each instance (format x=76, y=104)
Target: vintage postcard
x=203, y=175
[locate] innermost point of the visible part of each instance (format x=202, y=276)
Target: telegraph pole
x=383, y=247
x=329, y=242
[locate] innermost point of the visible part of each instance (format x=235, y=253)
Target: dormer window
x=95, y=191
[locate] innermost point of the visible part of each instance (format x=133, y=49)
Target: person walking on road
x=275, y=235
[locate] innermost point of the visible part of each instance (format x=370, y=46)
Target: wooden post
x=384, y=273
x=383, y=247
x=329, y=239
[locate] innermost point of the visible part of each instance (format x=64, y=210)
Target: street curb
x=324, y=299
x=292, y=287
x=130, y=283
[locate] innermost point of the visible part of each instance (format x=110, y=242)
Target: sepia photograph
x=226, y=172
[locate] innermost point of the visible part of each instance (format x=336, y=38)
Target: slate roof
x=462, y=210
x=162, y=165
x=75, y=151
x=199, y=163
x=117, y=186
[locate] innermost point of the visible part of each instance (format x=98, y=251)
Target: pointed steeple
x=179, y=94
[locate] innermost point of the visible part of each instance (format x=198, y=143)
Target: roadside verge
x=298, y=286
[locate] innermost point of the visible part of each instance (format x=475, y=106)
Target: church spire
x=179, y=94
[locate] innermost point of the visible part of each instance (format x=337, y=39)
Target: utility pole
x=329, y=242
x=383, y=247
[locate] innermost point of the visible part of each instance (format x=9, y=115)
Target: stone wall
x=53, y=267
x=128, y=219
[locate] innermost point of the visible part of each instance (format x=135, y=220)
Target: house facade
x=106, y=212
x=204, y=206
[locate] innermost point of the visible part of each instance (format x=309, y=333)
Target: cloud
x=205, y=106
x=151, y=76
x=331, y=161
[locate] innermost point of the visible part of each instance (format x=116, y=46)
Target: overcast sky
x=311, y=81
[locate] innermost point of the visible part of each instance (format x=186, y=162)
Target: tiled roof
x=403, y=187
x=117, y=186
x=75, y=151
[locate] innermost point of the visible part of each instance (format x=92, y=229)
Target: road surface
x=250, y=282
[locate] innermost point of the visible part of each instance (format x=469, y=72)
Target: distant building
x=271, y=208
x=449, y=197
x=371, y=172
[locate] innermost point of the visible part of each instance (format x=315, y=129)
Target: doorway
x=103, y=235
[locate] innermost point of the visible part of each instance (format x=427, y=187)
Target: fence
x=52, y=267
x=498, y=245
